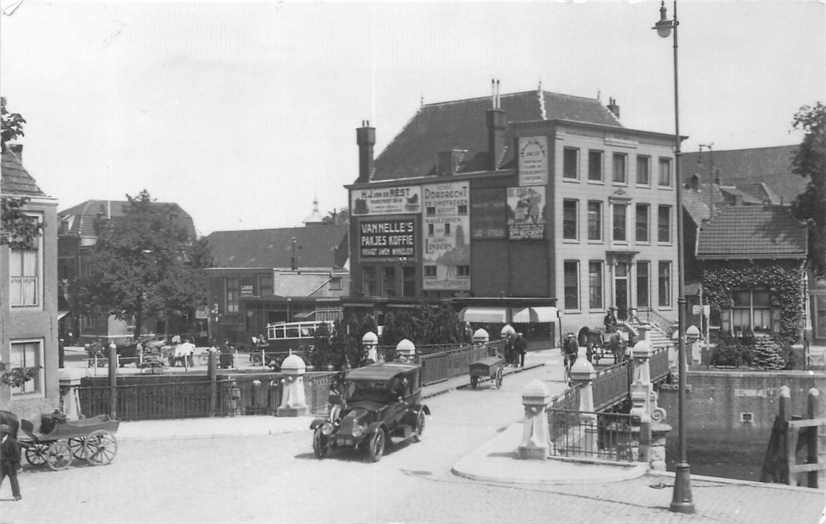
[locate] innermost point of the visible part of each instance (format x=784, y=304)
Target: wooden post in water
x=212, y=373
x=788, y=448
x=811, y=440
x=113, y=380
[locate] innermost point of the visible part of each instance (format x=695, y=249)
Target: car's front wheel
x=319, y=444
x=377, y=444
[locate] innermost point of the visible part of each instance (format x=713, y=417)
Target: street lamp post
x=681, y=501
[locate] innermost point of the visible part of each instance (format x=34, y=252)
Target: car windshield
x=373, y=390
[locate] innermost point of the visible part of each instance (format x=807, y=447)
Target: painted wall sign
x=526, y=213
x=387, y=238
x=386, y=201
x=533, y=161
x=488, y=214
x=446, y=234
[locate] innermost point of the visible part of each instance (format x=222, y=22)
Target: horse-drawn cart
x=91, y=440
x=488, y=367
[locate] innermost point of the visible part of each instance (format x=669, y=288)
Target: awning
x=534, y=314
x=61, y=314
x=492, y=315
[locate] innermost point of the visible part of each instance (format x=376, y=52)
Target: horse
x=10, y=419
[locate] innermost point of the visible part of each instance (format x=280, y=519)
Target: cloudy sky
x=242, y=112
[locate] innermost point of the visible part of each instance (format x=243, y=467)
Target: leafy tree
x=338, y=217
x=810, y=162
x=17, y=229
x=145, y=264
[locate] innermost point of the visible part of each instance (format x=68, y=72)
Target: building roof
x=316, y=246
x=755, y=232
x=763, y=172
x=80, y=219
x=14, y=179
x=461, y=124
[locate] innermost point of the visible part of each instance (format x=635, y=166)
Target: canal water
x=741, y=460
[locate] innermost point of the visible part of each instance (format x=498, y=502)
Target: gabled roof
x=461, y=124
x=749, y=168
x=317, y=246
x=752, y=232
x=80, y=219
x=14, y=179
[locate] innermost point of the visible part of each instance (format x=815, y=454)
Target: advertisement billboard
x=386, y=201
x=446, y=232
x=393, y=238
x=488, y=214
x=526, y=213
x=533, y=161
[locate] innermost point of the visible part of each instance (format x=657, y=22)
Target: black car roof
x=381, y=371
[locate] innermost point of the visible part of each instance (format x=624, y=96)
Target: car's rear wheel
x=420, y=423
x=375, y=448
x=319, y=444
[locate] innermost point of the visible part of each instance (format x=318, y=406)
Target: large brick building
x=532, y=195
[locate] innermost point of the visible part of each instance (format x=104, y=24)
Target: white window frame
x=576, y=163
x=601, y=228
x=624, y=163
x=39, y=299
x=578, y=286
x=576, y=219
x=40, y=385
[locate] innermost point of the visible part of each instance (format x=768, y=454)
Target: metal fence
x=612, y=385
x=607, y=436
x=437, y=367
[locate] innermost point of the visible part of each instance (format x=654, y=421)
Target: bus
x=285, y=336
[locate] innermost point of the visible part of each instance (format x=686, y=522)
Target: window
x=595, y=284
x=619, y=222
x=28, y=355
x=750, y=310
x=664, y=281
x=463, y=271
x=233, y=292
x=430, y=211
x=265, y=284
x=24, y=268
x=570, y=210
x=389, y=281
x=664, y=224
x=594, y=220
x=248, y=287
x=447, y=228
x=430, y=271
x=642, y=284
x=642, y=223
x=571, y=278
x=665, y=172
x=620, y=168
x=570, y=162
x=369, y=283
x=409, y=281
x=462, y=209
x=595, y=166
x=430, y=230
x=643, y=170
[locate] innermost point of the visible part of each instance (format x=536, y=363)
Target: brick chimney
x=497, y=124
x=17, y=149
x=613, y=107
x=366, y=139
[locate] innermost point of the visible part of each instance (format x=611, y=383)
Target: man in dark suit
x=9, y=459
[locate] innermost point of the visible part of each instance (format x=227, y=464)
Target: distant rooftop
x=80, y=219
x=14, y=179
x=753, y=232
x=316, y=246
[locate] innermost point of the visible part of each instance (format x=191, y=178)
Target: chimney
x=448, y=162
x=613, y=107
x=497, y=123
x=366, y=139
x=17, y=149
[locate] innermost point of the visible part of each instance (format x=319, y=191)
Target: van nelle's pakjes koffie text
x=389, y=238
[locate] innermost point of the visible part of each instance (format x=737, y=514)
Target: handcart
x=488, y=367
x=91, y=440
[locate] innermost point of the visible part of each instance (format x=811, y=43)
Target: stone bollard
x=293, y=403
x=641, y=391
x=370, y=344
x=582, y=372
x=406, y=351
x=535, y=434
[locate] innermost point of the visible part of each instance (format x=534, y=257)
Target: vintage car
x=380, y=402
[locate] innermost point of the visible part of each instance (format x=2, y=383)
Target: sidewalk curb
x=739, y=482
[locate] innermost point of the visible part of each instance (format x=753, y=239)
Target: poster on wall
x=533, y=161
x=526, y=213
x=395, y=238
x=386, y=201
x=488, y=214
x=446, y=226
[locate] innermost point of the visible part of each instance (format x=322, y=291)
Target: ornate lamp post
x=681, y=501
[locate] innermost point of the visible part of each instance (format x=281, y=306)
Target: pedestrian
x=610, y=321
x=9, y=459
x=509, y=349
x=521, y=347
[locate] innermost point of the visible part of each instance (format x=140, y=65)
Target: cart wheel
x=420, y=423
x=499, y=378
x=78, y=447
x=474, y=381
x=36, y=454
x=375, y=448
x=319, y=444
x=58, y=455
x=103, y=446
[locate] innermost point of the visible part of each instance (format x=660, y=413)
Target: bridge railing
x=607, y=436
x=612, y=385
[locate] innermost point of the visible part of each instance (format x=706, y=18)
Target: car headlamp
x=358, y=430
x=326, y=429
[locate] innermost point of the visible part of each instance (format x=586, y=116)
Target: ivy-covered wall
x=783, y=278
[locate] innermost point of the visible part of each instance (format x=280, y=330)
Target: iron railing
x=606, y=436
x=612, y=385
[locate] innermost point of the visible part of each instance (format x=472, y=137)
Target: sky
x=244, y=112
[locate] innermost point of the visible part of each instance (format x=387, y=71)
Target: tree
x=17, y=229
x=810, y=162
x=337, y=217
x=145, y=264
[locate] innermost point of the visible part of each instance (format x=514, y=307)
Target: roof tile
x=753, y=232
